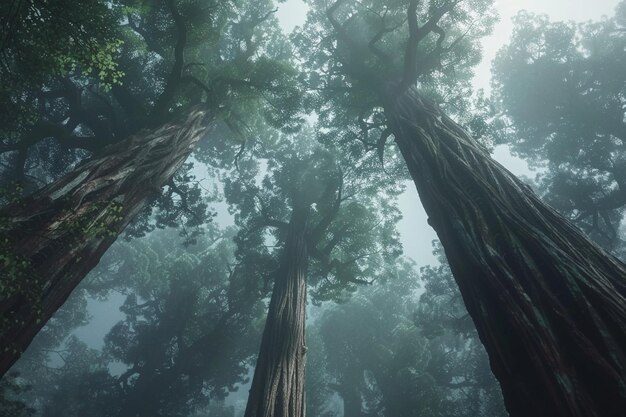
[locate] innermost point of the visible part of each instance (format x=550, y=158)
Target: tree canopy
x=562, y=86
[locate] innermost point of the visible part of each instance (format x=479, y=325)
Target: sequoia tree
x=323, y=213
x=548, y=304
x=105, y=149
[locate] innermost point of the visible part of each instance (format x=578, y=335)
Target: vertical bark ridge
x=278, y=384
x=549, y=304
x=53, y=238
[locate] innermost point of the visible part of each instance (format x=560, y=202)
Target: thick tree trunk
x=278, y=385
x=52, y=239
x=549, y=305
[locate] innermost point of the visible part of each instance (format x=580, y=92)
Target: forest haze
x=208, y=208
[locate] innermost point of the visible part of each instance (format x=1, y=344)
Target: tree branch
x=60, y=133
x=150, y=43
x=417, y=34
x=174, y=78
x=380, y=145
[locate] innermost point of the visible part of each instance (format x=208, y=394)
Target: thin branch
x=417, y=34
x=380, y=145
x=197, y=82
x=382, y=32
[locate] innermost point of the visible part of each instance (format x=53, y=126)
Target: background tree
x=9, y=389
x=393, y=352
x=458, y=362
x=189, y=332
x=548, y=304
x=376, y=358
x=323, y=210
x=562, y=86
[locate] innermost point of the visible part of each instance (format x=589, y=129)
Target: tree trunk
x=549, y=305
x=53, y=238
x=278, y=385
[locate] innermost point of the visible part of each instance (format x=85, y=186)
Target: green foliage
x=18, y=282
x=352, y=233
x=189, y=330
x=458, y=362
x=352, y=61
x=134, y=65
x=43, y=40
x=563, y=86
x=375, y=356
x=387, y=354
x=183, y=204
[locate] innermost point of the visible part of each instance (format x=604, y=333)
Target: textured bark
x=549, y=305
x=278, y=385
x=52, y=239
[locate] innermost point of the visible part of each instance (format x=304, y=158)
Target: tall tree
x=549, y=305
x=321, y=211
x=562, y=87
x=194, y=64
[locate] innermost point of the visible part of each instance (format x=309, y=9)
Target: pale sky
x=416, y=234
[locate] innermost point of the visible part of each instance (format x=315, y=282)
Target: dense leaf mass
x=563, y=87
